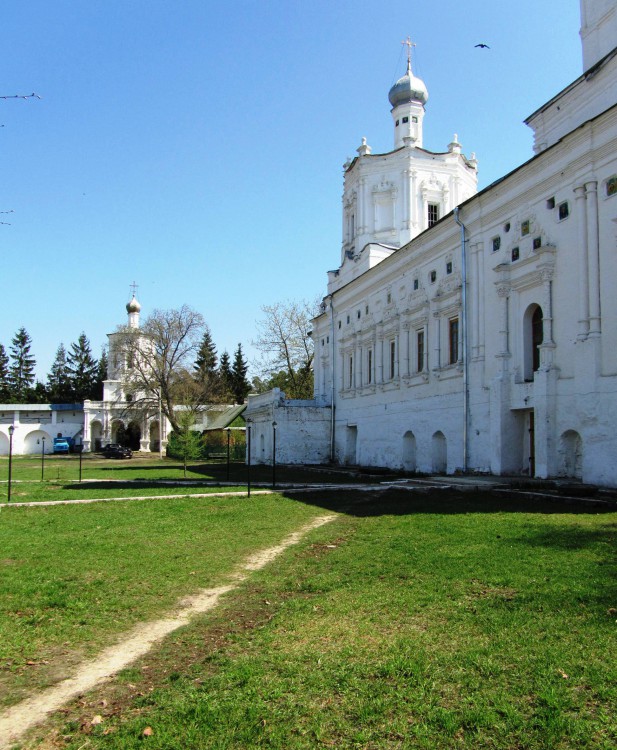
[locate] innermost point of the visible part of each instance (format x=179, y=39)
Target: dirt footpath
x=18, y=719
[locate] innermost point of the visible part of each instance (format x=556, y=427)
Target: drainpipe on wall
x=464, y=338
x=332, y=370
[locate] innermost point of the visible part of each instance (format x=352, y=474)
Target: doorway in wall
x=351, y=445
x=531, y=431
x=409, y=451
x=571, y=455
x=439, y=453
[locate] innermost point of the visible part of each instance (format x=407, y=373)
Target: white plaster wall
x=598, y=29
x=585, y=98
x=302, y=431
x=577, y=389
x=35, y=422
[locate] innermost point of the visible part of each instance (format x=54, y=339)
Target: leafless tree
x=286, y=347
x=159, y=359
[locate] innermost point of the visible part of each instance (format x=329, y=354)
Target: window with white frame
x=453, y=340
x=420, y=350
x=433, y=213
x=392, y=350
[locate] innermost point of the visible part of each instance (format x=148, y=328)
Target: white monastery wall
x=298, y=422
x=33, y=422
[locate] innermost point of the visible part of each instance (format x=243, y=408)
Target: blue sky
x=197, y=147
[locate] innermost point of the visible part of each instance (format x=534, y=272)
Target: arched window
x=536, y=337
x=532, y=340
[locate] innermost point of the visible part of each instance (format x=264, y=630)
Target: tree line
x=175, y=362
x=75, y=375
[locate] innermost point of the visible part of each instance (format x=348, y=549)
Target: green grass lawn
x=35, y=492
x=63, y=470
x=73, y=577
x=412, y=621
x=95, y=466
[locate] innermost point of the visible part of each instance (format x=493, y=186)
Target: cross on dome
x=409, y=44
x=409, y=87
x=133, y=307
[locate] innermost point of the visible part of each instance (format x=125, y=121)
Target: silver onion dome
x=133, y=306
x=407, y=89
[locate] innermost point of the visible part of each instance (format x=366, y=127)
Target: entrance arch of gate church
x=96, y=435
x=118, y=432
x=155, y=436
x=409, y=451
x=133, y=436
x=4, y=445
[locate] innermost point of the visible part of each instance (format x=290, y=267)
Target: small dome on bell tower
x=408, y=97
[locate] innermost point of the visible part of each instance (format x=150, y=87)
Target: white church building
x=93, y=424
x=467, y=331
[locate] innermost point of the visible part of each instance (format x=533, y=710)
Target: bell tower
x=598, y=30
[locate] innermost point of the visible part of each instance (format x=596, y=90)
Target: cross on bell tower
x=133, y=308
x=409, y=44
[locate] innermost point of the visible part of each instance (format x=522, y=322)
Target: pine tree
x=39, y=394
x=206, y=374
x=240, y=386
x=226, y=376
x=101, y=375
x=58, y=380
x=5, y=389
x=207, y=359
x=82, y=369
x=21, y=370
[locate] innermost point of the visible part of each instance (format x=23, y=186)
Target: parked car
x=62, y=445
x=115, y=450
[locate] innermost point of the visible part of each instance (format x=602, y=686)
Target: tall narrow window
x=392, y=358
x=353, y=226
x=537, y=336
x=419, y=351
x=532, y=338
x=350, y=370
x=453, y=335
x=369, y=363
x=433, y=213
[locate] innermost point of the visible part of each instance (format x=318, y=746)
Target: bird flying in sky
x=483, y=46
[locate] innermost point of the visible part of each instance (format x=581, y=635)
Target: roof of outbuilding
x=225, y=418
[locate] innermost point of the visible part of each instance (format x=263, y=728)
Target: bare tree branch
x=159, y=359
x=286, y=347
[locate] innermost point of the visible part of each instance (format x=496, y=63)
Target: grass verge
x=414, y=621
x=65, y=469
x=73, y=577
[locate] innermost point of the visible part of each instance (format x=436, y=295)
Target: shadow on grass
x=140, y=467
x=392, y=501
x=238, y=472
x=575, y=538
